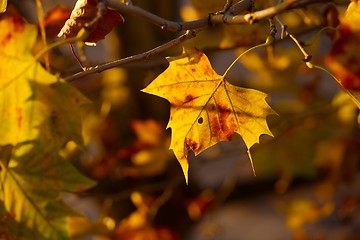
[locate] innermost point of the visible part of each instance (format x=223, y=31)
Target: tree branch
x=213, y=19
x=156, y=20
x=192, y=27
x=142, y=56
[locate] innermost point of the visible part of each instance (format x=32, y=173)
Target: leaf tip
x=185, y=167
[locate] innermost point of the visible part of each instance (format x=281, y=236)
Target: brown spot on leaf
x=212, y=107
x=19, y=117
x=18, y=23
x=208, y=71
x=188, y=98
x=223, y=124
x=215, y=126
x=6, y=39
x=200, y=120
x=192, y=145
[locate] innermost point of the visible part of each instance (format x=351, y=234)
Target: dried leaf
x=86, y=11
x=205, y=108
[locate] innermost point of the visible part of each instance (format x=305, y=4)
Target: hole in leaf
x=200, y=120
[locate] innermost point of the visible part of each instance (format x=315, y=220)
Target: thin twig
x=213, y=19
x=285, y=32
x=76, y=58
x=284, y=29
x=307, y=57
x=142, y=56
x=262, y=14
x=192, y=26
x=156, y=20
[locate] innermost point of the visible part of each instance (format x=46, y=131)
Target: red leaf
x=104, y=27
x=84, y=12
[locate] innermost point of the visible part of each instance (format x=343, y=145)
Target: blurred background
x=307, y=184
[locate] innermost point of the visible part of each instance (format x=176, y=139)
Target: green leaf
x=32, y=177
x=12, y=230
x=65, y=106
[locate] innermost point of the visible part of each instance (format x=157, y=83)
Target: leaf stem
x=269, y=40
x=307, y=57
x=356, y=101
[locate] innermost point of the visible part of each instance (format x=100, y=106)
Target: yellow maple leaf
x=205, y=108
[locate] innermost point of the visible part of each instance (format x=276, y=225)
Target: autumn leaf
x=86, y=11
x=39, y=113
x=3, y=5
x=205, y=108
x=344, y=59
x=30, y=96
x=32, y=175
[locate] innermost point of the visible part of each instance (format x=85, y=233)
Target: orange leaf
x=205, y=108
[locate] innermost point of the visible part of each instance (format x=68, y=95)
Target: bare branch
x=192, y=27
x=213, y=19
x=285, y=32
x=307, y=57
x=142, y=56
x=156, y=20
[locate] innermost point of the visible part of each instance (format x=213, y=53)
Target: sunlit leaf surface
x=205, y=108
x=39, y=113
